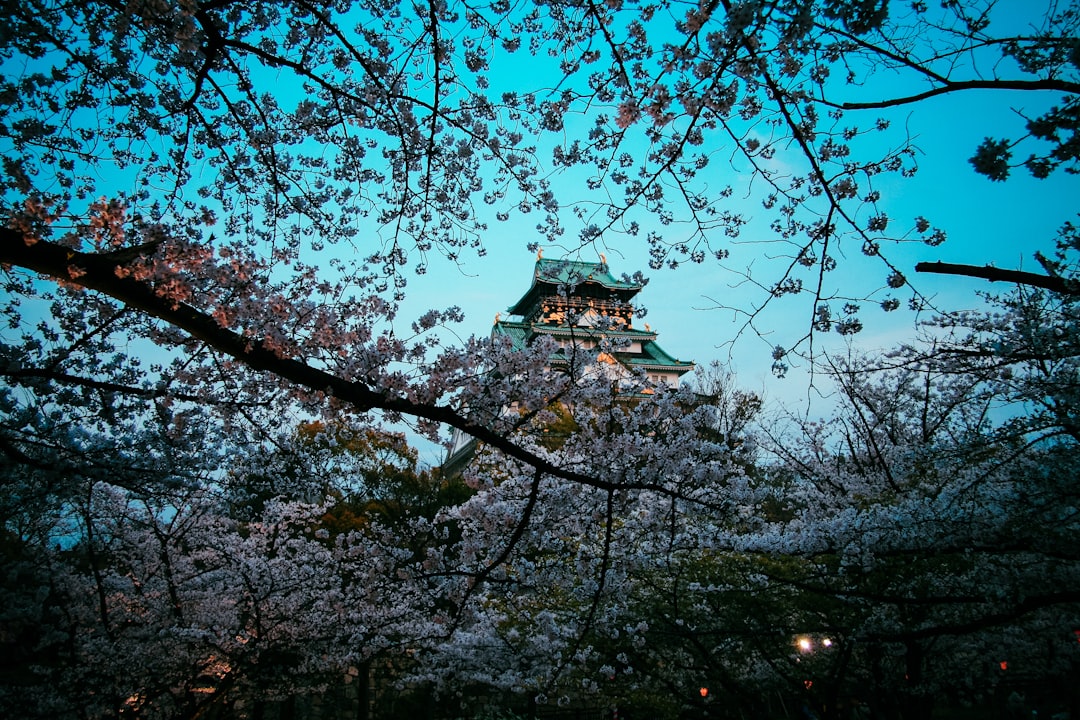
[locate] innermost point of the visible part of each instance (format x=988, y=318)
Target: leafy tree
x=735, y=409
x=364, y=473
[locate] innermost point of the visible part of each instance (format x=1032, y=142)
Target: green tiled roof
x=516, y=331
x=652, y=356
x=576, y=271
x=549, y=274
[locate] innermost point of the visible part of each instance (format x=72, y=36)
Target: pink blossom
x=629, y=112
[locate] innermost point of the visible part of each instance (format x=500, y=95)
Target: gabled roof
x=651, y=357
x=549, y=274
x=517, y=332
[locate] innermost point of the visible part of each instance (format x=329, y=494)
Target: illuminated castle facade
x=581, y=305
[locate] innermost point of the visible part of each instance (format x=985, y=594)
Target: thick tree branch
x=958, y=86
x=993, y=274
x=99, y=272
x=986, y=621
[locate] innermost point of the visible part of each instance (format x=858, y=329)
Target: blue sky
x=987, y=223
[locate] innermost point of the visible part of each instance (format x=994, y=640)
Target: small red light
x=704, y=692
x=1004, y=664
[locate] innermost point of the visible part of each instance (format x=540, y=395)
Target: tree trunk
x=915, y=703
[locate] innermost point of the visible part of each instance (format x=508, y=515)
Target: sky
x=998, y=223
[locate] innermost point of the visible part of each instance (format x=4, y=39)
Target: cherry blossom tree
x=909, y=551
x=931, y=531
x=159, y=602
x=212, y=211
x=915, y=541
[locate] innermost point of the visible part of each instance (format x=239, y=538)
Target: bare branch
x=993, y=274
x=1053, y=84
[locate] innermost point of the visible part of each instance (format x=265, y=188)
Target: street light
x=805, y=643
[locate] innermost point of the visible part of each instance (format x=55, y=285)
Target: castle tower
x=580, y=305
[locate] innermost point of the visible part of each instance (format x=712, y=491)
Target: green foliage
x=366, y=473
x=554, y=432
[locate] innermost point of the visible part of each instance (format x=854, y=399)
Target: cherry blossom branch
x=99, y=272
x=484, y=574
